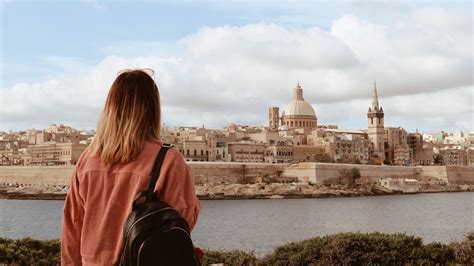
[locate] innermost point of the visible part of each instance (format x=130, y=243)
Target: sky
x=222, y=62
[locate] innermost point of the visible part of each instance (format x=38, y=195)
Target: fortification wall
x=460, y=175
x=203, y=173
x=36, y=175
x=433, y=172
x=320, y=173
x=212, y=172
x=369, y=173
x=305, y=172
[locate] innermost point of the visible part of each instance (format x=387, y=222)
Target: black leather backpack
x=154, y=232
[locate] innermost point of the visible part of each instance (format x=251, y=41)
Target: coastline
x=240, y=191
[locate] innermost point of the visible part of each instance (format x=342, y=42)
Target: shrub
x=234, y=257
x=362, y=249
x=29, y=251
x=464, y=251
x=339, y=249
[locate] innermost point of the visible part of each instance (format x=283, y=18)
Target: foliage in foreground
x=339, y=249
x=29, y=251
x=369, y=249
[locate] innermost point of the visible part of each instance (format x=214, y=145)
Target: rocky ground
x=238, y=191
x=281, y=190
x=17, y=191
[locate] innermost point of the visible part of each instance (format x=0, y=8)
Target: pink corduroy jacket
x=100, y=199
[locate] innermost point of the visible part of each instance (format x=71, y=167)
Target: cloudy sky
x=226, y=62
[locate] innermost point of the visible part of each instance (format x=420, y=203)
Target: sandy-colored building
x=10, y=157
x=426, y=156
x=246, y=152
x=470, y=156
x=314, y=153
x=269, y=137
x=53, y=153
x=454, y=156
x=279, y=153
x=397, y=150
x=195, y=150
x=350, y=150
x=342, y=146
x=415, y=144
x=402, y=155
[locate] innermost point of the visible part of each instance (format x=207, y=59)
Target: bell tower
x=375, y=130
x=273, y=117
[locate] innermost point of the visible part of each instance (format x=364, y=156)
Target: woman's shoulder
x=172, y=154
x=85, y=160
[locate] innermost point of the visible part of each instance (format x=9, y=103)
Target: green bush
x=339, y=249
x=234, y=257
x=464, y=251
x=29, y=251
x=368, y=249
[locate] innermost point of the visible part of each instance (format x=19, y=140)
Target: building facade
x=52, y=153
x=246, y=152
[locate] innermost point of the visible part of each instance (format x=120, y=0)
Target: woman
x=115, y=167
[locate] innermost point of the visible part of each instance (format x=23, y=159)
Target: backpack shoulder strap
x=155, y=173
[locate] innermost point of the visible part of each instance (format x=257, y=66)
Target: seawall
x=216, y=172
x=203, y=172
x=327, y=173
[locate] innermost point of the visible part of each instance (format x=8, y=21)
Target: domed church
x=297, y=114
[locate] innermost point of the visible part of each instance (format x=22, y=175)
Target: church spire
x=298, y=95
x=375, y=98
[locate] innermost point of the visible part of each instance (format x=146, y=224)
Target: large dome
x=298, y=106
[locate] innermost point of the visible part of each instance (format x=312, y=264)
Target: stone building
x=281, y=152
x=350, y=150
x=211, y=142
x=454, y=156
x=10, y=157
x=314, y=153
x=470, y=156
x=342, y=146
x=402, y=155
x=396, y=147
x=297, y=114
x=375, y=129
x=221, y=147
x=195, y=150
x=52, y=153
x=247, y=152
x=415, y=144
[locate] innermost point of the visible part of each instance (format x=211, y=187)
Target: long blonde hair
x=131, y=115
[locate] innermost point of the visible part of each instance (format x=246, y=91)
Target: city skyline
x=231, y=66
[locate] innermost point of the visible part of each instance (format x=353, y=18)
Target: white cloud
x=95, y=4
x=220, y=75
